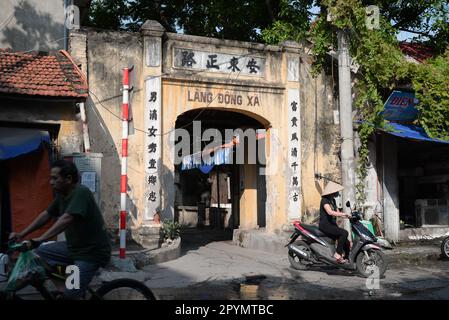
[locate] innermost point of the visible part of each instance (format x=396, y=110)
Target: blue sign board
x=400, y=107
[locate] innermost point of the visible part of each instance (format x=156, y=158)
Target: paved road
x=221, y=270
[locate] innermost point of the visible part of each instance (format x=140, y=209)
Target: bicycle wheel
x=123, y=289
x=5, y=296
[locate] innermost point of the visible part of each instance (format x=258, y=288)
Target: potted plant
x=171, y=230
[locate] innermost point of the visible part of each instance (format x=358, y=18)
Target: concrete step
x=148, y=230
x=149, y=236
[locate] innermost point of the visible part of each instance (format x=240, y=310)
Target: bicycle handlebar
x=13, y=246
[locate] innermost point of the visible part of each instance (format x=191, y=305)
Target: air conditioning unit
x=432, y=212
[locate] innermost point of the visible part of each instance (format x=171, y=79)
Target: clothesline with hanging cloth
x=222, y=155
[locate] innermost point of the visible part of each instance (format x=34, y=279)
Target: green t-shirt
x=87, y=239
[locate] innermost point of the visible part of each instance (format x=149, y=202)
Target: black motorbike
x=315, y=247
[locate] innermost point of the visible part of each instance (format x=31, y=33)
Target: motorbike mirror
x=348, y=204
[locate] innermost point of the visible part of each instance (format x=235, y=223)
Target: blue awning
x=18, y=141
x=411, y=132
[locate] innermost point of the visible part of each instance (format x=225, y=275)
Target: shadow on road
x=194, y=238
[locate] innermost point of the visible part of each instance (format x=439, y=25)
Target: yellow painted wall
x=320, y=137
x=70, y=138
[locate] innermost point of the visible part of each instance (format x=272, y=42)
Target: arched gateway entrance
x=220, y=188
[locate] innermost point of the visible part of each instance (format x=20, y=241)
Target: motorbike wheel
x=376, y=258
x=297, y=262
x=445, y=248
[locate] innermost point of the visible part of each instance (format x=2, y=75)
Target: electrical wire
x=160, y=76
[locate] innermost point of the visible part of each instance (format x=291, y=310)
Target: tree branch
x=418, y=12
x=416, y=32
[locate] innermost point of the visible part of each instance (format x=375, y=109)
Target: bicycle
x=112, y=290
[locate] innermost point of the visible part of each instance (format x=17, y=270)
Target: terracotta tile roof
x=41, y=74
x=417, y=51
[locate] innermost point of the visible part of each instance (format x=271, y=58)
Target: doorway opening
x=219, y=195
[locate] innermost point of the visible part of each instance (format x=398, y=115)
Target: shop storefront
x=411, y=191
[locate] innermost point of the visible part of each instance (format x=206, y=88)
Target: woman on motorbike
x=328, y=220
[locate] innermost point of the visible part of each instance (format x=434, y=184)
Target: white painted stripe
x=122, y=201
x=124, y=165
x=125, y=96
x=124, y=129
x=122, y=239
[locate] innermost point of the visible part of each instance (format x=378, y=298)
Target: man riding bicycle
x=87, y=245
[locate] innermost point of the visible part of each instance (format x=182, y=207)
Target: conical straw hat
x=332, y=187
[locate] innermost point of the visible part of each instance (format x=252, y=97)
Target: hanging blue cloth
x=206, y=168
x=221, y=156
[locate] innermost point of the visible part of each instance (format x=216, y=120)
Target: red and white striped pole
x=123, y=178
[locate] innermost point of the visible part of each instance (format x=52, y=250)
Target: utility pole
x=346, y=128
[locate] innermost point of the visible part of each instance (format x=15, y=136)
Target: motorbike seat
x=314, y=229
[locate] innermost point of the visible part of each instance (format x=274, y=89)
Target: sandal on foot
x=341, y=260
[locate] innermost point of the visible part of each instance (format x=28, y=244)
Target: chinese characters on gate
x=153, y=143
x=152, y=148
x=216, y=62
x=294, y=152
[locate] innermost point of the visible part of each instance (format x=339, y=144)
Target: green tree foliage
x=428, y=19
x=431, y=84
x=109, y=14
x=292, y=22
x=382, y=66
x=230, y=19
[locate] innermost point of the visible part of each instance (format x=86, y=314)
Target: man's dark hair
x=68, y=168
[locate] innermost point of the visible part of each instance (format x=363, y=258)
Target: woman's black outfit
x=328, y=225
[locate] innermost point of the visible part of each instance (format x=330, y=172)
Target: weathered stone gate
x=174, y=74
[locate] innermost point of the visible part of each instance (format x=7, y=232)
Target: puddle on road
x=254, y=292
x=260, y=287
x=257, y=287
x=248, y=291
x=254, y=279
x=253, y=288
